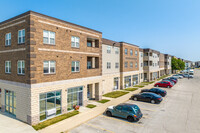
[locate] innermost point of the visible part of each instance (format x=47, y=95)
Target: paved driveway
x=11, y=125
x=178, y=113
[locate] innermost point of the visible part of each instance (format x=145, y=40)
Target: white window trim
x=116, y=50
x=116, y=65
x=21, y=36
x=8, y=67
x=109, y=66
x=126, y=53
x=75, y=63
x=49, y=38
x=108, y=49
x=49, y=67
x=20, y=67
x=75, y=43
x=131, y=53
x=9, y=39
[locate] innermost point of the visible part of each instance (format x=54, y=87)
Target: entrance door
x=10, y=102
x=0, y=99
x=116, y=83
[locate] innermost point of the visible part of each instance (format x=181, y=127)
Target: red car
x=164, y=84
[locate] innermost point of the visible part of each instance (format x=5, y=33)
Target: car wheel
x=157, y=85
x=135, y=98
x=130, y=118
x=153, y=101
x=108, y=113
x=168, y=86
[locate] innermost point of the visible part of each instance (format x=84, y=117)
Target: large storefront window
x=135, y=79
x=10, y=102
x=155, y=75
x=50, y=104
x=74, y=97
x=127, y=81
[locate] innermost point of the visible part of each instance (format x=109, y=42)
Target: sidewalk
x=77, y=120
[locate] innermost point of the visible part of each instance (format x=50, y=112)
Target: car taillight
x=135, y=115
x=159, y=98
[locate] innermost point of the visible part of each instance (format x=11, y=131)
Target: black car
x=158, y=91
x=147, y=97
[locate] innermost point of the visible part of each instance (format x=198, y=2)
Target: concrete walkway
x=77, y=120
x=9, y=124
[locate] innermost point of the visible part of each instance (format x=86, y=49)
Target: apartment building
x=197, y=64
x=188, y=64
x=168, y=69
x=110, y=65
x=141, y=65
x=151, y=64
x=47, y=65
x=129, y=65
x=162, y=64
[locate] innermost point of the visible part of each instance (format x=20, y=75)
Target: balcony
x=92, y=62
x=92, y=43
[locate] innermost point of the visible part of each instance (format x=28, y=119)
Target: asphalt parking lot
x=179, y=112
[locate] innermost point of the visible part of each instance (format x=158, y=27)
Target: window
x=48, y=37
x=108, y=65
x=126, y=64
x=21, y=36
x=89, y=43
x=141, y=64
x=116, y=50
x=108, y=49
x=89, y=65
x=21, y=67
x=50, y=104
x=75, y=66
x=136, y=65
x=119, y=107
x=131, y=64
x=141, y=75
x=75, y=42
x=126, y=51
x=8, y=67
x=131, y=52
x=10, y=102
x=49, y=67
x=116, y=65
x=141, y=54
x=8, y=39
x=136, y=52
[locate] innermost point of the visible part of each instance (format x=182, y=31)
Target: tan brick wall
x=14, y=56
x=128, y=58
x=63, y=60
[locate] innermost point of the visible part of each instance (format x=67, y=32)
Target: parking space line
x=147, y=109
x=146, y=116
x=98, y=127
x=120, y=120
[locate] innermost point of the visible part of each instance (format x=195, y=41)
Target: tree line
x=177, y=64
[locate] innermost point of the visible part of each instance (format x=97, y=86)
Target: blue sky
x=169, y=26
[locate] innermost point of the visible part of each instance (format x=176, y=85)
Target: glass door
x=10, y=102
x=116, y=83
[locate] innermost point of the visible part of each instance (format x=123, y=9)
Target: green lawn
x=54, y=120
x=91, y=106
x=115, y=94
x=131, y=89
x=139, y=86
x=147, y=83
x=104, y=101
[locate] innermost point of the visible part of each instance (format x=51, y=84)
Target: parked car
x=147, y=97
x=187, y=75
x=131, y=112
x=177, y=76
x=170, y=80
x=156, y=91
x=164, y=84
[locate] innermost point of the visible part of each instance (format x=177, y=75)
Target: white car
x=177, y=76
